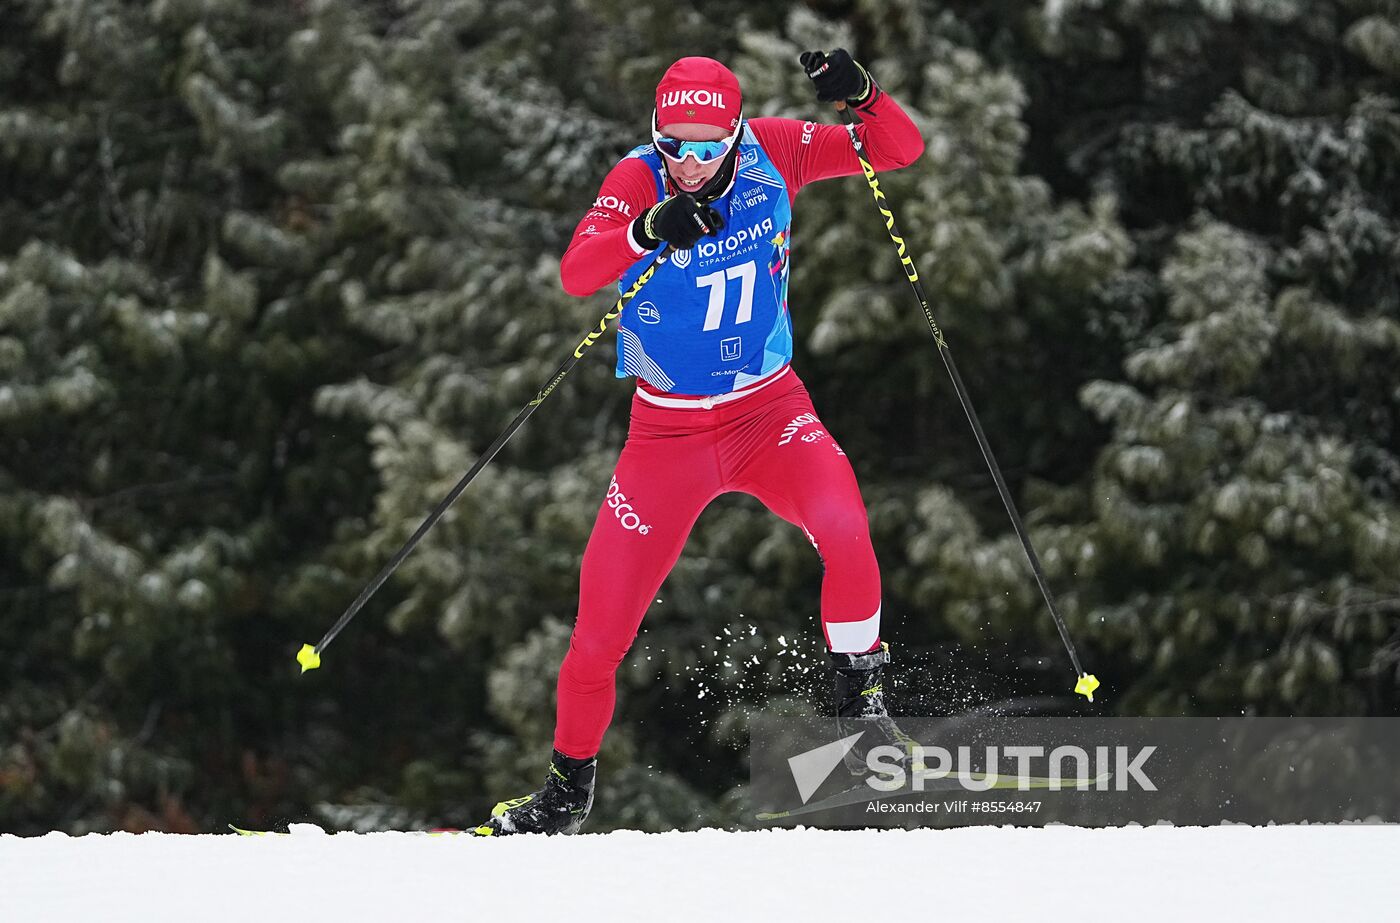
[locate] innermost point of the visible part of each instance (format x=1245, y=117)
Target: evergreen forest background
x=273, y=274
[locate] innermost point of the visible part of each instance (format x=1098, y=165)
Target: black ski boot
x=860, y=706
x=560, y=807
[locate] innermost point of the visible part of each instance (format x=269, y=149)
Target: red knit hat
x=699, y=90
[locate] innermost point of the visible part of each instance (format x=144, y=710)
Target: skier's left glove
x=836, y=76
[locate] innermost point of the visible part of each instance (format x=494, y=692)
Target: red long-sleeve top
x=603, y=248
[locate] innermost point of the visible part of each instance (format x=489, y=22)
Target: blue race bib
x=714, y=318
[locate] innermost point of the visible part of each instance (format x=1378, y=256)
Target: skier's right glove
x=679, y=221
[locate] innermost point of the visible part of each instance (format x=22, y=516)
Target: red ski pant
x=676, y=460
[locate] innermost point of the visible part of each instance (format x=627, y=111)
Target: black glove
x=837, y=77
x=679, y=221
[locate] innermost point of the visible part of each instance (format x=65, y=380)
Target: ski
x=864, y=793
x=443, y=831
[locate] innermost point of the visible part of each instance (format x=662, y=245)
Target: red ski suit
x=682, y=452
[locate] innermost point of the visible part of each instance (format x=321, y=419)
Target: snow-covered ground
x=1236, y=874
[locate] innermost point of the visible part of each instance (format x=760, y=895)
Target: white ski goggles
x=702, y=151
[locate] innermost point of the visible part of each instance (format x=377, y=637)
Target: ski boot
x=860, y=707
x=560, y=807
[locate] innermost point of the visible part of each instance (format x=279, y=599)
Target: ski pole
x=1086, y=682
x=310, y=655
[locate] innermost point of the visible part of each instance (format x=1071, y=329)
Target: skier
x=718, y=407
